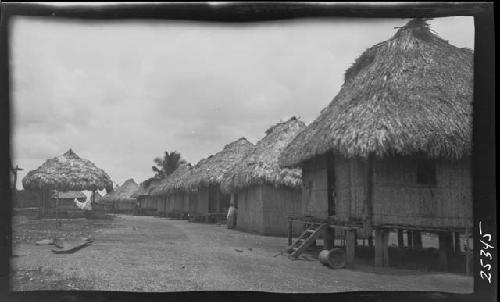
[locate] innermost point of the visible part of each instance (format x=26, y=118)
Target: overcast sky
x=122, y=93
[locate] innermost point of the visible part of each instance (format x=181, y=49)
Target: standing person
x=231, y=216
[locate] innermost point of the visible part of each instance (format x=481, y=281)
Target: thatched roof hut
x=122, y=193
x=168, y=184
x=67, y=172
x=209, y=171
x=146, y=187
x=409, y=94
x=260, y=166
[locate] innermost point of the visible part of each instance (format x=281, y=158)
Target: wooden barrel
x=334, y=258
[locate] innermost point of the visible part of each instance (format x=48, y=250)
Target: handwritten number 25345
x=488, y=255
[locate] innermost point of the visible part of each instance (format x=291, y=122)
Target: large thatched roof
x=170, y=183
x=67, y=172
x=260, y=166
x=210, y=170
x=122, y=193
x=410, y=94
x=146, y=187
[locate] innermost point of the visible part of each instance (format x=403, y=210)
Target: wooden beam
x=290, y=230
x=468, y=254
x=444, y=249
x=328, y=238
x=401, y=241
x=385, y=247
x=350, y=248
x=381, y=247
x=456, y=246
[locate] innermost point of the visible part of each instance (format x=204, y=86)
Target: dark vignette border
x=484, y=146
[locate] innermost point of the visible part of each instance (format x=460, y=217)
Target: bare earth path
x=144, y=253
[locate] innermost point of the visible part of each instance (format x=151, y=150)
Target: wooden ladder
x=306, y=239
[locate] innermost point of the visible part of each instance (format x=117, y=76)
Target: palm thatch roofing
x=70, y=195
x=122, y=193
x=146, y=187
x=410, y=94
x=67, y=172
x=260, y=166
x=210, y=170
x=168, y=184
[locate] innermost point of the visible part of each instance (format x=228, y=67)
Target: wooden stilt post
x=381, y=247
x=401, y=241
x=332, y=236
x=350, y=248
x=385, y=246
x=417, y=239
x=444, y=249
x=290, y=231
x=327, y=238
x=456, y=244
x=370, y=241
x=468, y=254
x=410, y=239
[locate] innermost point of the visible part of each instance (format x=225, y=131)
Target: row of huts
x=243, y=174
x=391, y=151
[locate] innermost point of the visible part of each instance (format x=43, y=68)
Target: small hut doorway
x=330, y=175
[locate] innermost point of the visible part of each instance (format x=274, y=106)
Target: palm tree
x=166, y=165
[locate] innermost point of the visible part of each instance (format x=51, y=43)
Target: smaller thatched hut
x=67, y=172
x=146, y=203
x=171, y=201
x=265, y=194
x=205, y=177
x=120, y=200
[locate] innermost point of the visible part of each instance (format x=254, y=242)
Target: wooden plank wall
x=202, y=200
x=250, y=216
x=193, y=202
x=314, y=188
x=398, y=199
x=278, y=204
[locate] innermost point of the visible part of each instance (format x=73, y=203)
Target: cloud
x=122, y=93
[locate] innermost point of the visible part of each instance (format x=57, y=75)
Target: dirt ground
x=143, y=253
